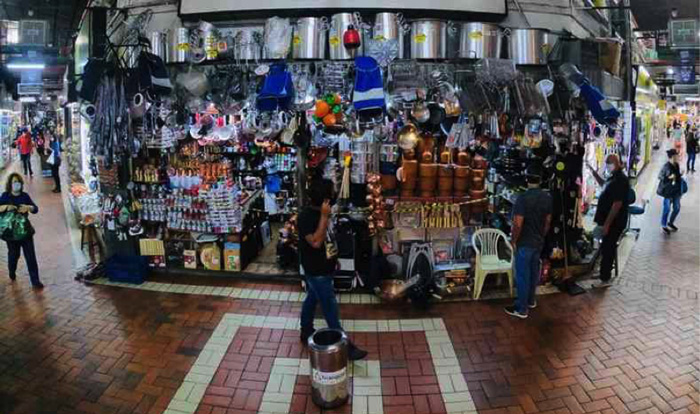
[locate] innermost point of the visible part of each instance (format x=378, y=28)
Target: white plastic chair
x=487, y=260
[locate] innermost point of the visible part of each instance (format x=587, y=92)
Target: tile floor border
x=285, y=296
x=453, y=386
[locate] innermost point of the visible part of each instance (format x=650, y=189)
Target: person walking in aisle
x=319, y=260
x=671, y=189
x=15, y=199
x=692, y=146
x=611, y=215
x=532, y=217
x=55, y=146
x=25, y=145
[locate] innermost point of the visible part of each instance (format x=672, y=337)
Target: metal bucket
x=428, y=39
x=248, y=43
x=530, y=46
x=309, y=41
x=328, y=353
x=388, y=26
x=339, y=24
x=480, y=40
x=159, y=45
x=178, y=45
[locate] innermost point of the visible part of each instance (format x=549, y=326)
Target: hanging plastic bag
x=278, y=37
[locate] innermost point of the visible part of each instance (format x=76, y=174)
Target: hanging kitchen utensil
x=336, y=34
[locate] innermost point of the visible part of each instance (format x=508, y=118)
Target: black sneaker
x=38, y=286
x=305, y=335
x=355, y=353
x=533, y=305
x=672, y=227
x=13, y=277
x=510, y=310
x=666, y=230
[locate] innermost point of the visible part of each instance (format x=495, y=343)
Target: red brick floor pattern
x=409, y=383
x=631, y=349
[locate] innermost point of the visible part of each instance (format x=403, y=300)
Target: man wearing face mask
x=611, y=215
x=319, y=259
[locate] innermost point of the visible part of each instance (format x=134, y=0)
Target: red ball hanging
x=351, y=38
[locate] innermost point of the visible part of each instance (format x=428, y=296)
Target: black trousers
x=608, y=252
x=13, y=253
x=54, y=173
x=27, y=163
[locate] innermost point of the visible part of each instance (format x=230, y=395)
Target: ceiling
x=654, y=14
x=63, y=15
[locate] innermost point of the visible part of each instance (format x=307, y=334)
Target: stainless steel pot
x=339, y=24
x=530, y=46
x=159, y=45
x=388, y=26
x=309, y=41
x=178, y=45
x=428, y=39
x=248, y=43
x=480, y=40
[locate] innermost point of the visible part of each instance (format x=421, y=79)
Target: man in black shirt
x=532, y=216
x=611, y=215
x=319, y=260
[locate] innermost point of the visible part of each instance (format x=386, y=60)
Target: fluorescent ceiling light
x=669, y=71
x=27, y=99
x=26, y=66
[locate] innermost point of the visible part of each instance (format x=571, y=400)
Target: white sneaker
x=601, y=285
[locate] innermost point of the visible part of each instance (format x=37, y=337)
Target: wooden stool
x=88, y=236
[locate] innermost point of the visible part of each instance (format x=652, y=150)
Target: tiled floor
x=99, y=349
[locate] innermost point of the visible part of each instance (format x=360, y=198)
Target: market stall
x=203, y=163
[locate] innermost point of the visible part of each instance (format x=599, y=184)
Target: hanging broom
x=345, y=184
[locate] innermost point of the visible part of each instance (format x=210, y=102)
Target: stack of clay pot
x=445, y=175
x=477, y=190
x=427, y=169
x=410, y=173
x=462, y=174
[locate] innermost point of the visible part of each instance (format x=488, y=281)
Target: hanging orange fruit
x=337, y=99
x=322, y=109
x=329, y=120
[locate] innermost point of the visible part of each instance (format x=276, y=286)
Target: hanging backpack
x=277, y=92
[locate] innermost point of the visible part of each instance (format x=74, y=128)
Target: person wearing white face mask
x=611, y=214
x=14, y=199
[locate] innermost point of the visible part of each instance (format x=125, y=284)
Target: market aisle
x=632, y=348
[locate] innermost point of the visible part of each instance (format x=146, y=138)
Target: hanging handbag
x=6, y=222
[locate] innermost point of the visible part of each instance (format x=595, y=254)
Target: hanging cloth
x=369, y=88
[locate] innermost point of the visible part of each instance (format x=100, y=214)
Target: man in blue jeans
x=532, y=216
x=319, y=259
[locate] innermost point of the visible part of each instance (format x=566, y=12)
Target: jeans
x=668, y=202
x=13, y=253
x=320, y=289
x=608, y=252
x=690, y=164
x=527, y=275
x=54, y=173
x=27, y=163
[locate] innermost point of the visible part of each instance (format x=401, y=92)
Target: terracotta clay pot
x=406, y=192
x=445, y=157
x=478, y=173
x=463, y=158
x=389, y=181
x=427, y=170
x=445, y=171
x=479, y=163
x=410, y=169
x=463, y=172
x=409, y=154
x=477, y=184
x=480, y=207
